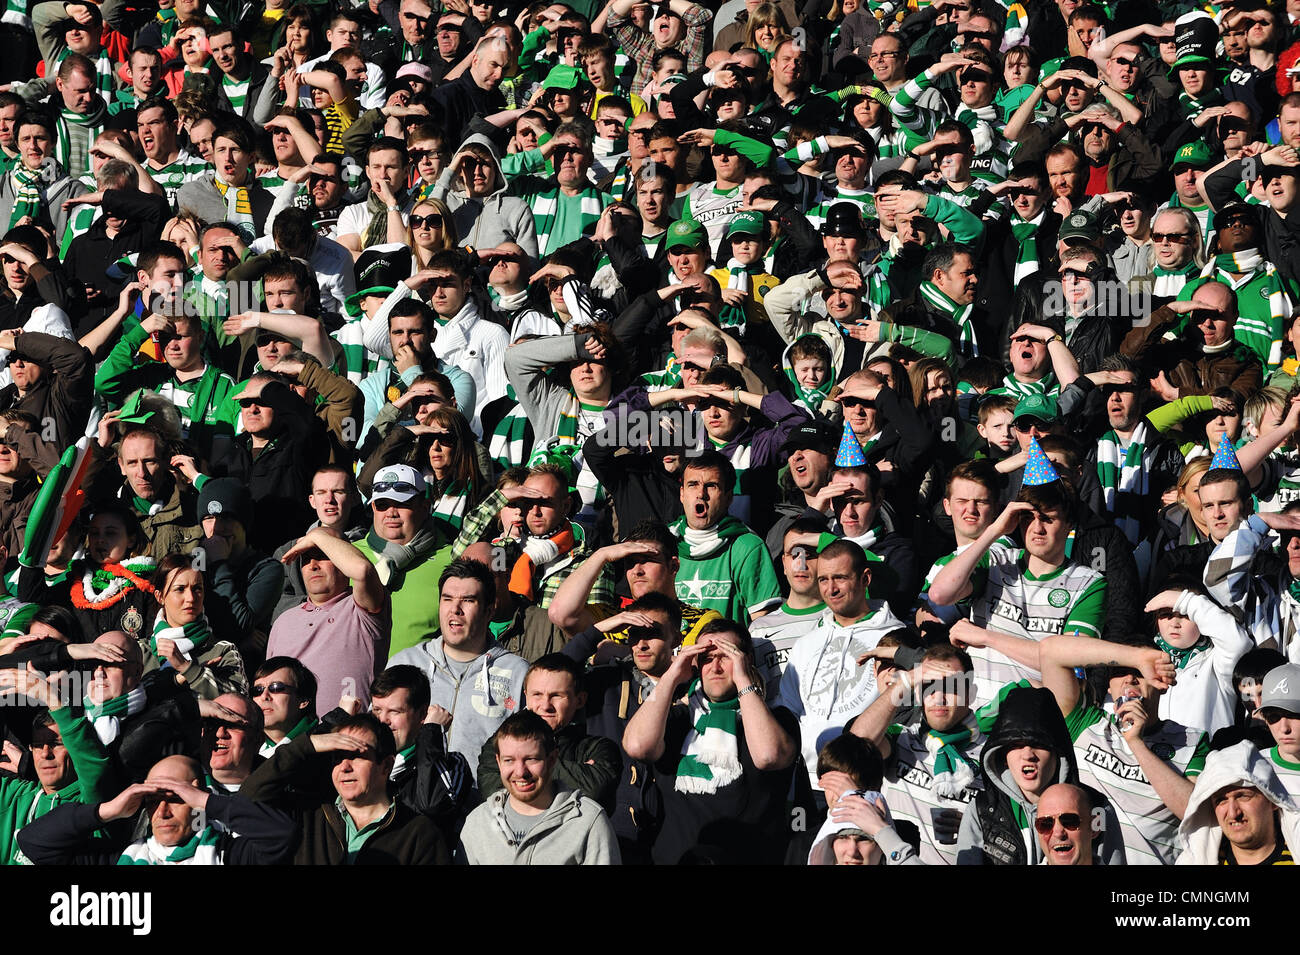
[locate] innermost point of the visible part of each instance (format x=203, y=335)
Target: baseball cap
x=1079, y=226
x=225, y=496
x=417, y=70
x=747, y=222
x=398, y=482
x=1042, y=407
x=1195, y=154
x=686, y=232
x=817, y=436
x=1282, y=688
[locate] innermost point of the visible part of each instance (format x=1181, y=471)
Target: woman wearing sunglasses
x=429, y=230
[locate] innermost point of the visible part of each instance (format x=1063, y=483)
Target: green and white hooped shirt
x=1287, y=772
x=909, y=792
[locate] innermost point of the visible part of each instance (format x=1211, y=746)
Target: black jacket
x=64, y=394
x=167, y=726
x=635, y=481
x=66, y=834
x=1281, y=236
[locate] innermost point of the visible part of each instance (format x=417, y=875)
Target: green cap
x=1042, y=407
x=748, y=222
x=686, y=232
x=1195, y=154
x=564, y=77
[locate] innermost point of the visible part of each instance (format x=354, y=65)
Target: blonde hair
x=446, y=241
x=766, y=15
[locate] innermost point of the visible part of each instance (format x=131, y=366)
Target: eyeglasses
x=432, y=221
x=275, y=689
x=473, y=162
x=640, y=133
x=1069, y=821
x=251, y=402
x=393, y=487
x=1021, y=193
x=443, y=439
x=1175, y=238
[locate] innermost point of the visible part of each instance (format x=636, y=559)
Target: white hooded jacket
x=1199, y=835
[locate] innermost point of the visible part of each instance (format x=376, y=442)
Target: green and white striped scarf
x=506, y=446
x=15, y=14
x=302, y=726
x=451, y=506
x=76, y=134
x=1026, y=232
x=953, y=771
x=399, y=762
x=105, y=81
x=710, y=758
x=236, y=91
x=1169, y=282
x=200, y=850
x=1186, y=655
x=732, y=317
x=1262, y=334
x=1123, y=478
x=27, y=193
x=106, y=717
x=1011, y=385
x=940, y=302
x=80, y=219
x=358, y=360
x=546, y=206
x=190, y=638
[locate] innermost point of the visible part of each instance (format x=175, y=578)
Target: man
x=532, y=820
x=67, y=757
x=35, y=185
x=1175, y=240
x=811, y=451
x=187, y=826
x=474, y=92
x=363, y=824
x=930, y=777
x=678, y=25
x=334, y=498
x=1065, y=826
x=856, y=496
x=724, y=566
x=724, y=800
x=474, y=683
x=240, y=77
x=285, y=691
x=553, y=689
x=801, y=611
x=200, y=391
x=365, y=223
x=566, y=206
x=1205, y=359
x=409, y=551
x=1239, y=813
x=51, y=380
x=823, y=685
x=231, y=740
x=144, y=72
x=970, y=494
x=83, y=114
x=1030, y=593
x=341, y=632
x=734, y=156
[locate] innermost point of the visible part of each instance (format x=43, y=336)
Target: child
x=811, y=369
x=995, y=417
x=979, y=375
x=610, y=143
x=744, y=281
x=855, y=765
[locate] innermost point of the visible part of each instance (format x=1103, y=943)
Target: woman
x=767, y=26
x=181, y=638
x=110, y=588
x=428, y=230
x=1182, y=522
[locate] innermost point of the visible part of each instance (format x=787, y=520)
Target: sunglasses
x=1069, y=821
x=443, y=439
x=393, y=487
x=977, y=35
x=432, y=221
x=1199, y=315
x=564, y=152
x=251, y=402
x=1241, y=222
x=1021, y=193
x=317, y=178
x=723, y=152
x=1069, y=85
x=1026, y=340
x=473, y=162
x=275, y=689
x=1271, y=715
x=976, y=76
x=1125, y=61
x=851, y=402
x=1176, y=238
x=1079, y=275
x=417, y=154
x=1108, y=390
x=1026, y=425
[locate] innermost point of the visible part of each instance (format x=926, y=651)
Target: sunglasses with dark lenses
x=1025, y=425
x=1245, y=222
x=1087, y=128
x=443, y=439
x=1232, y=124
x=1108, y=390
x=250, y=402
x=1125, y=61
x=851, y=402
x=1019, y=193
x=637, y=634
x=564, y=152
x=1079, y=275
x=1177, y=238
x=1271, y=715
x=976, y=76
x=691, y=366
x=275, y=689
x=1199, y=315
x=1069, y=85
x=1026, y=340
x=317, y=178
x=1070, y=822
x=432, y=221
x=723, y=152
x=976, y=35
x=393, y=487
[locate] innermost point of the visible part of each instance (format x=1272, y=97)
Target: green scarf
x=1169, y=282
x=73, y=152
x=960, y=314
x=1011, y=385
x=733, y=317
x=200, y=850
x=106, y=717
x=1183, y=657
x=403, y=757
x=953, y=771
x=710, y=758
x=27, y=194
x=189, y=638
x=302, y=726
x=702, y=544
x=809, y=398
x=1124, y=482
x=1025, y=231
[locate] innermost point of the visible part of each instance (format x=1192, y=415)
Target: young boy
x=745, y=281
x=996, y=414
x=610, y=143
x=811, y=369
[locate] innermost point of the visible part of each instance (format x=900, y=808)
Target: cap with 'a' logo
x=1282, y=689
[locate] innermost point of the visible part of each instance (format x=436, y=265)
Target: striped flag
x=57, y=502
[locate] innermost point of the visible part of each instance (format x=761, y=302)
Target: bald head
x=184, y=768
x=1069, y=840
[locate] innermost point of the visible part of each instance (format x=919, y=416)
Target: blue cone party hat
x=1038, y=469
x=849, y=454
x=1225, y=456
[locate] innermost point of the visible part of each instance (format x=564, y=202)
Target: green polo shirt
x=357, y=838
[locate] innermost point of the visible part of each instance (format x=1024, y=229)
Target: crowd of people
x=832, y=432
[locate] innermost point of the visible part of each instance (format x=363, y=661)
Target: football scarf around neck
x=377, y=230
x=200, y=850
x=101, y=587
x=953, y=771
x=106, y=717
x=710, y=757
x=1124, y=479
x=539, y=553
x=1026, y=233
x=74, y=156
x=239, y=203
x=190, y=639
x=27, y=193
x=960, y=314
x=302, y=726
x=1239, y=262
x=733, y=317
x=699, y=544
x=1169, y=282
x=1184, y=656
x=1011, y=385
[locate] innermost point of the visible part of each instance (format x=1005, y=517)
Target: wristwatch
x=752, y=688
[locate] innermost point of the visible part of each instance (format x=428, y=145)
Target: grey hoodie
x=487, y=223
x=491, y=689
x=573, y=831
